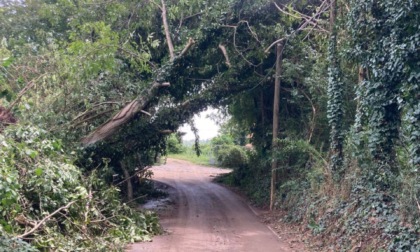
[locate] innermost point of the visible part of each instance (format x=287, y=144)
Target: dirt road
x=207, y=216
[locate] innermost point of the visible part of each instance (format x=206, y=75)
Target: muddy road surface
x=206, y=216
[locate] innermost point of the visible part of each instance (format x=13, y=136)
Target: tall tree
x=384, y=43
x=335, y=99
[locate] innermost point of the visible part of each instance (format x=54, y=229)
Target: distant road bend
x=207, y=216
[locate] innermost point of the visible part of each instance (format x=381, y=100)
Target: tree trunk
x=335, y=106
x=127, y=178
x=274, y=147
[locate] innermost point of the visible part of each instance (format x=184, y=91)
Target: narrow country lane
x=207, y=216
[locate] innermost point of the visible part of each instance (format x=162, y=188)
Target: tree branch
x=91, y=111
x=308, y=20
x=167, y=34
x=135, y=174
x=45, y=219
x=185, y=18
x=124, y=116
x=23, y=91
x=187, y=47
x=92, y=117
x=273, y=44
x=223, y=49
x=145, y=112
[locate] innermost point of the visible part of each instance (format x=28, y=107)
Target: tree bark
x=274, y=163
x=124, y=116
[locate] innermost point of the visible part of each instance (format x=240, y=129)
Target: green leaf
x=7, y=61
x=32, y=153
x=38, y=171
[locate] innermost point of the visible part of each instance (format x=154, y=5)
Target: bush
x=174, y=145
x=231, y=156
x=37, y=177
x=222, y=140
x=16, y=245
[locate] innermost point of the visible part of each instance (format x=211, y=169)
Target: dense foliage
x=349, y=111
x=359, y=97
x=49, y=200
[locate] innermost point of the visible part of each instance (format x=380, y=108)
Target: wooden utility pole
x=333, y=14
x=279, y=59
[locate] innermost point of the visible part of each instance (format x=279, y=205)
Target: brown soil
x=205, y=216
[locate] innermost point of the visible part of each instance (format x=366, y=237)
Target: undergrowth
x=356, y=214
x=352, y=216
x=49, y=204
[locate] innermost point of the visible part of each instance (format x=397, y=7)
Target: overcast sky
x=207, y=128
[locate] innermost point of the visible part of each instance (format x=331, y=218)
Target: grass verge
x=192, y=157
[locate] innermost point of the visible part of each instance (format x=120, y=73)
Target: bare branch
x=187, y=47
x=253, y=33
x=91, y=111
x=308, y=20
x=135, y=174
x=45, y=219
x=234, y=41
x=23, y=91
x=92, y=117
x=188, y=17
x=273, y=44
x=145, y=112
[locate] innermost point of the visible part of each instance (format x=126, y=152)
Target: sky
x=207, y=128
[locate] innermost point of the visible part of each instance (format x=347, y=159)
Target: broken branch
x=145, y=112
x=45, y=219
x=23, y=91
x=135, y=174
x=124, y=116
x=187, y=47
x=223, y=49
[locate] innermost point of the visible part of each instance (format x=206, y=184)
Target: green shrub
x=174, y=145
x=231, y=156
x=222, y=140
x=37, y=177
x=10, y=244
